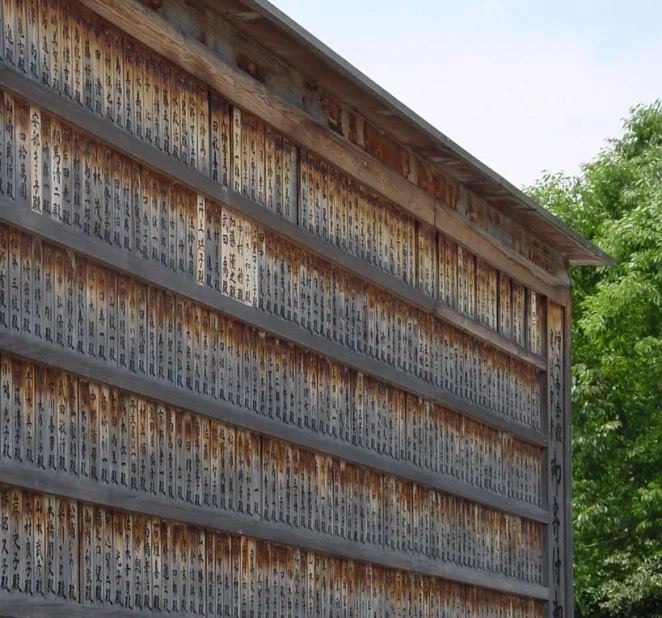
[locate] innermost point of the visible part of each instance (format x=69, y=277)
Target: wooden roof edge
x=498, y=191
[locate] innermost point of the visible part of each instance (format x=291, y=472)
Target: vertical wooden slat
x=556, y=359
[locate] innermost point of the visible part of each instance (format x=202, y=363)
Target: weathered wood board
x=201, y=312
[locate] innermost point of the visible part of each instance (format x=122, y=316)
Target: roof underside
x=288, y=41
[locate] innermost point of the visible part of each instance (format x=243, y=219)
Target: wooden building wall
x=237, y=381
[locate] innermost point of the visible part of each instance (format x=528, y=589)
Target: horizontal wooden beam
x=484, y=334
x=26, y=607
x=162, y=162
x=344, y=97
x=234, y=523
x=160, y=277
x=150, y=28
x=235, y=415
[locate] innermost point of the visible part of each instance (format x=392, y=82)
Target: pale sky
x=523, y=85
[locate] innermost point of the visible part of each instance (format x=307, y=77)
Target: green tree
x=616, y=201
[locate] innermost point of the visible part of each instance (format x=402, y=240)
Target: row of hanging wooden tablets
x=75, y=303
x=56, y=422
x=123, y=204
x=59, y=549
x=426, y=435
x=66, y=300
x=341, y=211
x=95, y=65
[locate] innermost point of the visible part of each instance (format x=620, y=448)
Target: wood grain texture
x=462, y=402
x=235, y=415
x=204, y=185
x=340, y=368
x=145, y=506
x=96, y=76
x=253, y=96
x=557, y=475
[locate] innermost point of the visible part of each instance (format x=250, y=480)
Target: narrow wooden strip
x=51, y=483
x=162, y=162
x=147, y=271
x=40, y=608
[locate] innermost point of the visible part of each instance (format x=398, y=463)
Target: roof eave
x=494, y=188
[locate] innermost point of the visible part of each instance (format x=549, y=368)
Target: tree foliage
x=616, y=201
